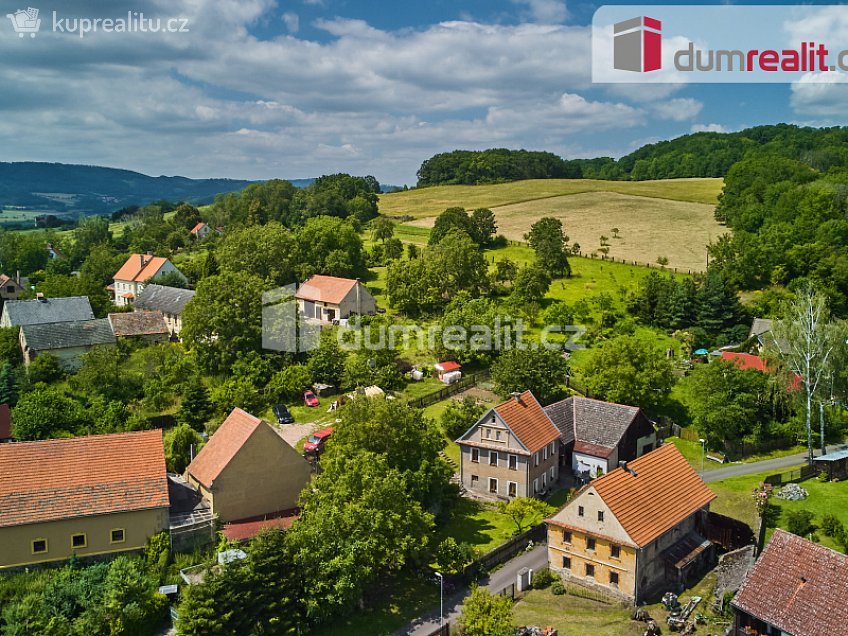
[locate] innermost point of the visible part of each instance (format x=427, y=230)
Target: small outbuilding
x=834, y=464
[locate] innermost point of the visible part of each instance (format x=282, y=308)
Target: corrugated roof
x=745, y=361
x=168, y=300
x=327, y=289
x=664, y=491
x=594, y=450
x=140, y=267
x=65, y=335
x=798, y=586
x=448, y=366
x=198, y=227
x=39, y=312
x=526, y=418
x=82, y=476
x=760, y=326
x=223, y=446
x=138, y=323
x=834, y=456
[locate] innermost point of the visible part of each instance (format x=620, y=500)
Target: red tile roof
x=5, y=422
x=595, y=450
x=82, y=476
x=327, y=289
x=526, y=418
x=223, y=446
x=245, y=529
x=197, y=227
x=664, y=491
x=448, y=366
x=133, y=270
x=798, y=586
x=745, y=361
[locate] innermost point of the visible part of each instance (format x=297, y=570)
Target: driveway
x=293, y=433
x=767, y=465
x=535, y=559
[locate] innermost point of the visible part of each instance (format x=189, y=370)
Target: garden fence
x=507, y=551
x=449, y=390
x=805, y=472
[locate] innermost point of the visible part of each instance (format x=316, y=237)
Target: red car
x=316, y=441
x=310, y=399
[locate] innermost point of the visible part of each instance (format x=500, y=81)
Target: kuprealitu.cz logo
x=28, y=22
x=720, y=44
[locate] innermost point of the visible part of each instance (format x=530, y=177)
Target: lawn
x=423, y=202
x=477, y=524
x=734, y=500
x=574, y=616
x=672, y=219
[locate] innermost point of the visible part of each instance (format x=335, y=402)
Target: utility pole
x=441, y=604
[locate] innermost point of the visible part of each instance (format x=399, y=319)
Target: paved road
x=536, y=559
x=767, y=465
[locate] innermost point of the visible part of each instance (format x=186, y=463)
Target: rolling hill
x=672, y=219
x=73, y=190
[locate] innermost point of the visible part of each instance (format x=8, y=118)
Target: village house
x=512, y=451
x=42, y=310
x=171, y=301
x=328, y=298
x=247, y=471
x=201, y=230
x=796, y=588
x=68, y=341
x=10, y=288
x=597, y=435
x=53, y=252
x=136, y=272
x=635, y=531
x=89, y=496
x=145, y=326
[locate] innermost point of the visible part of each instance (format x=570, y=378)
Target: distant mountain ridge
x=74, y=190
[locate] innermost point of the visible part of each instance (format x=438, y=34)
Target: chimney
x=624, y=466
x=516, y=395
x=40, y=297
x=141, y=261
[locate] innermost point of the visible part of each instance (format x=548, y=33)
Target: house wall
x=652, y=569
x=581, y=462
x=367, y=304
x=490, y=434
x=70, y=357
x=265, y=476
x=135, y=287
x=606, y=533
x=139, y=526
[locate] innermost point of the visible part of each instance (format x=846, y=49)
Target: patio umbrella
x=701, y=352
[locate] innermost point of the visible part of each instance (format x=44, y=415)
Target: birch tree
x=805, y=339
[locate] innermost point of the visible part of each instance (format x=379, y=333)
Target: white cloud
x=696, y=128
x=820, y=95
x=292, y=21
x=679, y=109
x=547, y=11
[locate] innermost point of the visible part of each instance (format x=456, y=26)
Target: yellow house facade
x=88, y=496
x=635, y=530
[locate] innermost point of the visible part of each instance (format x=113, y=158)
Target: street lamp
x=703, y=454
x=441, y=603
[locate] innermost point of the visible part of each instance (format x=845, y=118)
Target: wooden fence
x=805, y=472
x=738, y=449
x=449, y=390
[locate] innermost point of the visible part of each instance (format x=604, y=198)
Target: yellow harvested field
x=432, y=201
x=649, y=227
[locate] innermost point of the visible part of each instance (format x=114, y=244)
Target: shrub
x=831, y=526
x=543, y=578
x=558, y=588
x=800, y=522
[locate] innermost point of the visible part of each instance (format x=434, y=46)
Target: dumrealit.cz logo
x=637, y=45
x=720, y=44
x=27, y=22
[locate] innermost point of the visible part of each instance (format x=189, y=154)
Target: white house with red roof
x=512, y=451
x=201, y=230
x=138, y=270
x=329, y=298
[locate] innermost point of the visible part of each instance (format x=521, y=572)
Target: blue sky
x=298, y=88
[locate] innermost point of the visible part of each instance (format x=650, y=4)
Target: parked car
x=315, y=443
x=310, y=399
x=282, y=413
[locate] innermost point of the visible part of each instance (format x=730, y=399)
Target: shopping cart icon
x=25, y=21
